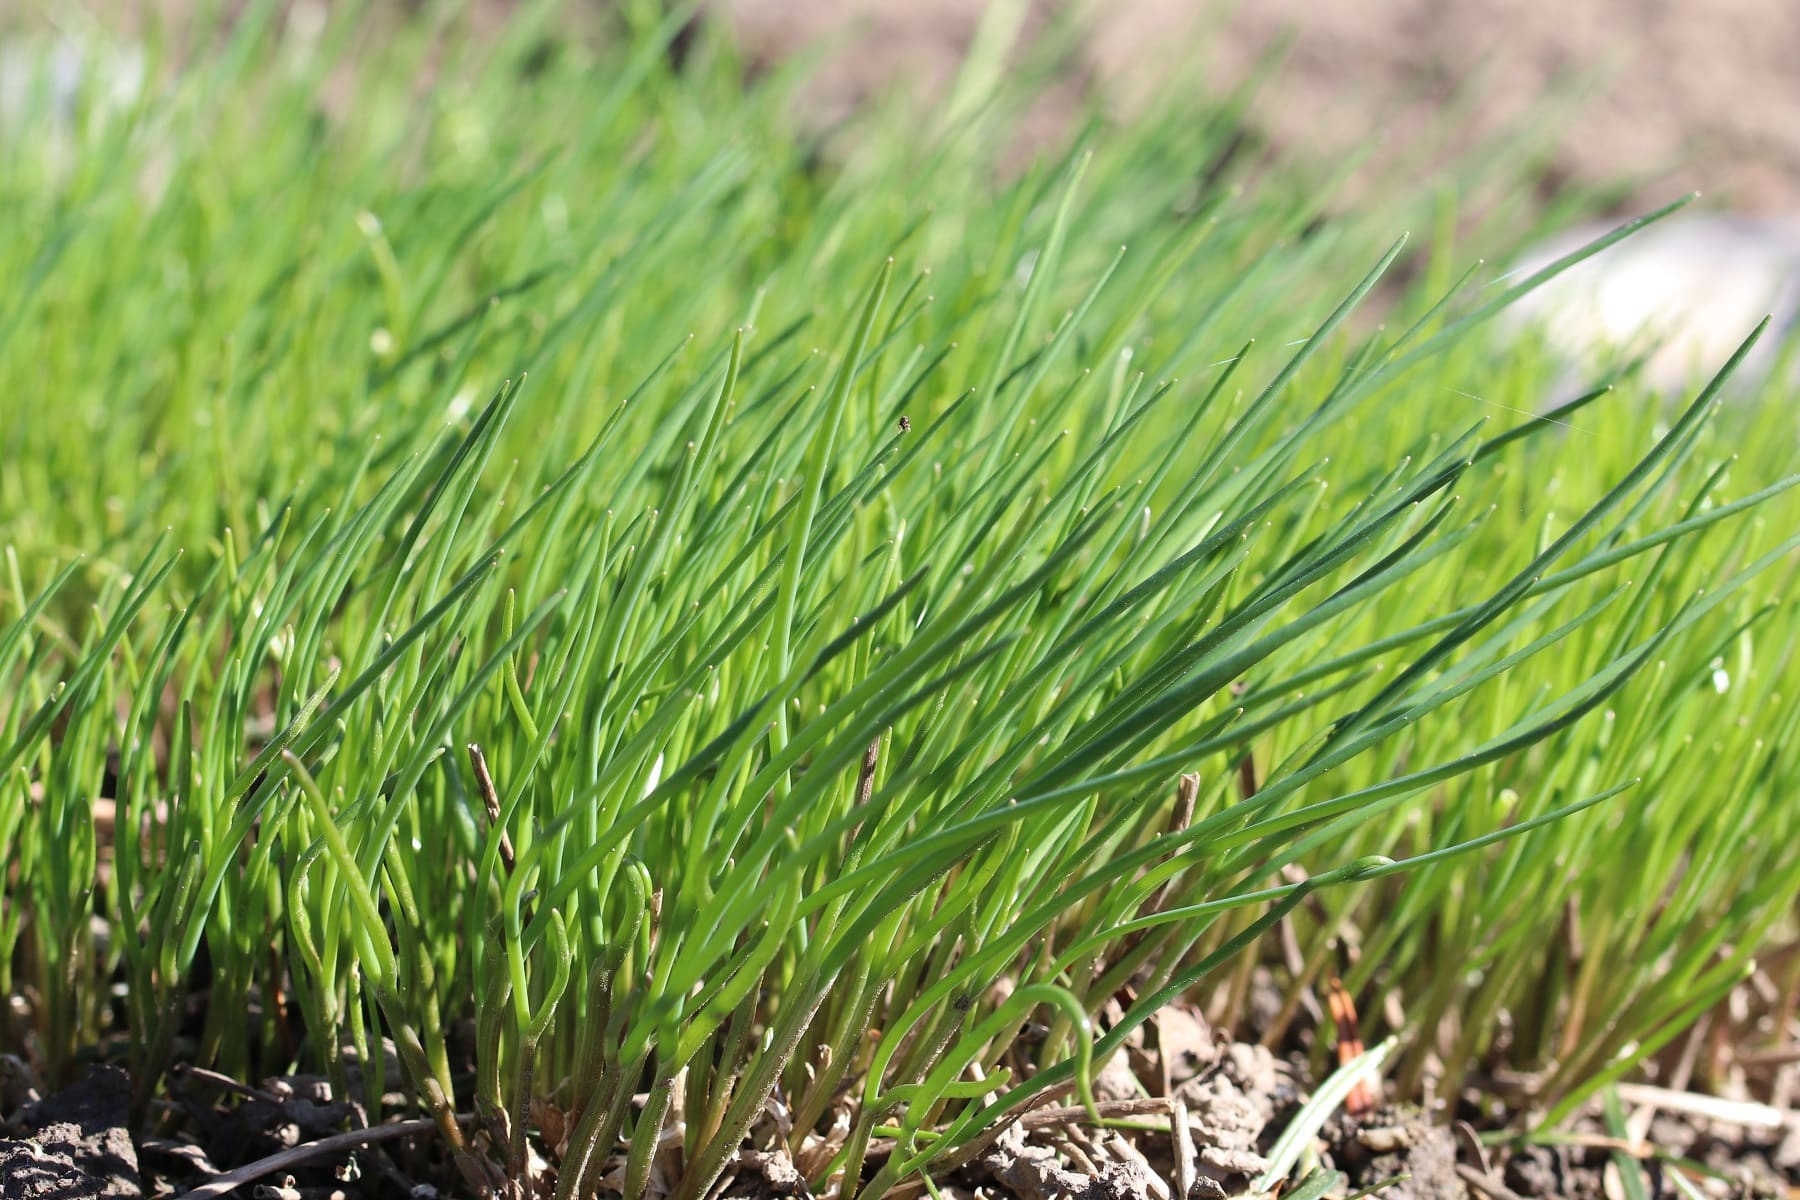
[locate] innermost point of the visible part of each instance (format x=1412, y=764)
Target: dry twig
x=232, y=1180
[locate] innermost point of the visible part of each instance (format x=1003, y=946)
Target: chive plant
x=520, y=552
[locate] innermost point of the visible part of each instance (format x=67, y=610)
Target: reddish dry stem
x=1360, y=1101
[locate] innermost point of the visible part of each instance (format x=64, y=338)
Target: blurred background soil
x=1675, y=94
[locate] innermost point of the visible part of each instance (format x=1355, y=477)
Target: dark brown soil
x=73, y=1145
x=1191, y=1118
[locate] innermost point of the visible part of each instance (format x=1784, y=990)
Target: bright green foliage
x=834, y=632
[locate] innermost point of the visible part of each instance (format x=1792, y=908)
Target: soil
x=1680, y=94
x=73, y=1144
x=1195, y=1118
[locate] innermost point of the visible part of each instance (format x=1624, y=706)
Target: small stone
x=1386, y=1140
x=1686, y=290
x=1222, y=1163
